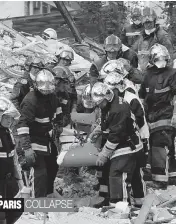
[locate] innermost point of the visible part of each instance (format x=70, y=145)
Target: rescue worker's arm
x=133, y=58
x=164, y=39
x=142, y=91
x=93, y=72
x=16, y=94
x=27, y=116
x=138, y=112
x=117, y=130
x=135, y=76
x=172, y=83
x=123, y=37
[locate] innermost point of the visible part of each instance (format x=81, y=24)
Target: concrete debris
x=77, y=183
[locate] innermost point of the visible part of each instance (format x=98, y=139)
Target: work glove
x=30, y=157
x=101, y=160
x=173, y=121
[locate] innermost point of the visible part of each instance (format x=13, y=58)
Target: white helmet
x=100, y=92
x=87, y=98
x=120, y=65
x=50, y=34
x=113, y=80
x=66, y=53
x=44, y=82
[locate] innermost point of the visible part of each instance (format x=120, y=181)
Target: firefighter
x=65, y=58
x=157, y=91
x=131, y=33
x=114, y=50
x=62, y=92
x=122, y=145
x=25, y=84
x=151, y=34
x=40, y=111
x=8, y=184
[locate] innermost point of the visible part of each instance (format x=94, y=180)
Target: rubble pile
x=80, y=185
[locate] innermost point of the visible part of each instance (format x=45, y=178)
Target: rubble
x=77, y=185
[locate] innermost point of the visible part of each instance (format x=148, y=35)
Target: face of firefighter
x=7, y=121
x=112, y=55
x=137, y=20
x=149, y=26
x=34, y=70
x=65, y=62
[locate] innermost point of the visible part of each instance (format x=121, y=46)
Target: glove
x=30, y=157
x=173, y=121
x=102, y=159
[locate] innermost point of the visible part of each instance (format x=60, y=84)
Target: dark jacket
x=130, y=34
x=20, y=90
x=158, y=90
x=122, y=133
x=38, y=114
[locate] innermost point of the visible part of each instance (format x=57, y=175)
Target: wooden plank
x=64, y=12
x=143, y=214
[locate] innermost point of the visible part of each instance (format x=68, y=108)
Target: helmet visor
x=160, y=58
x=46, y=86
x=67, y=55
x=112, y=48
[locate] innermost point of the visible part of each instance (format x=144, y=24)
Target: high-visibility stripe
x=143, y=182
x=103, y=188
x=64, y=101
x=106, y=131
x=147, y=90
x=133, y=34
x=160, y=123
x=143, y=52
x=158, y=177
x=23, y=130
x=59, y=110
x=111, y=145
x=124, y=186
x=38, y=147
x=5, y=155
x=126, y=150
x=162, y=90
x=54, y=115
x=42, y=120
x=172, y=174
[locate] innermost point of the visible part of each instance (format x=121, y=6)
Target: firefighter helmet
x=50, y=34
x=87, y=98
x=148, y=14
x=44, y=82
x=158, y=53
x=113, y=80
x=112, y=43
x=67, y=53
x=100, y=92
x=34, y=62
x=136, y=14
x=120, y=65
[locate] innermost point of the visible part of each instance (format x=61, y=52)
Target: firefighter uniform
x=131, y=33
x=8, y=184
x=20, y=89
x=158, y=90
x=124, y=144
x=38, y=112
